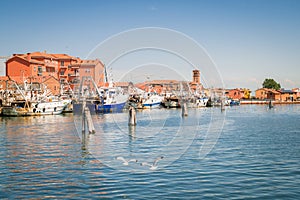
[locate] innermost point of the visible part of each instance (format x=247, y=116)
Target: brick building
x=66, y=69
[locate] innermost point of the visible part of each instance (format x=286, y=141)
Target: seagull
x=126, y=162
x=152, y=166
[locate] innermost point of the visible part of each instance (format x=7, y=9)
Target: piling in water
x=132, y=116
x=184, y=109
x=89, y=120
x=222, y=105
x=270, y=104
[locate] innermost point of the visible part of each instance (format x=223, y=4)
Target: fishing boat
x=151, y=100
x=105, y=99
x=27, y=108
x=28, y=102
x=201, y=102
x=171, y=101
x=111, y=99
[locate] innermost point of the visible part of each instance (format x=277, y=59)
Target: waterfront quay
x=263, y=102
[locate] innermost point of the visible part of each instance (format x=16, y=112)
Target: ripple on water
x=256, y=156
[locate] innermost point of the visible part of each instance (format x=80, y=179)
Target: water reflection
x=42, y=157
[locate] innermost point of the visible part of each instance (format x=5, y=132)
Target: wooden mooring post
x=184, y=112
x=222, y=105
x=90, y=124
x=132, y=116
x=87, y=122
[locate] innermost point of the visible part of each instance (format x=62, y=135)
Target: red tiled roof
x=40, y=55
x=3, y=78
x=269, y=90
x=63, y=56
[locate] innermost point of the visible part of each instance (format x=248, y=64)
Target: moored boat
x=151, y=100
x=112, y=99
x=171, y=102
x=27, y=108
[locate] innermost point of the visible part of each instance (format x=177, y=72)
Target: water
x=247, y=152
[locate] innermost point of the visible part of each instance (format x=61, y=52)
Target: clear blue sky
x=249, y=40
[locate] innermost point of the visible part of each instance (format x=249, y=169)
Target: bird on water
x=152, y=166
x=126, y=162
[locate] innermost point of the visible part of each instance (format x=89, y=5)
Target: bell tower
x=196, y=76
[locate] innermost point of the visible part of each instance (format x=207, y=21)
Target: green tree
x=271, y=84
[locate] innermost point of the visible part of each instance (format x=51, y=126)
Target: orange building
x=265, y=93
x=288, y=95
x=159, y=86
x=238, y=93
x=280, y=95
x=53, y=84
x=62, y=67
x=297, y=91
x=40, y=64
x=93, y=69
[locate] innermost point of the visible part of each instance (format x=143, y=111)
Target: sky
x=247, y=40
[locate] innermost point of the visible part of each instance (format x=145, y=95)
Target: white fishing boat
x=25, y=102
x=171, y=101
x=201, y=102
x=151, y=100
x=27, y=108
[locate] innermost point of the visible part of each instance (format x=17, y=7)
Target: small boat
x=151, y=100
x=171, y=100
x=202, y=102
x=234, y=103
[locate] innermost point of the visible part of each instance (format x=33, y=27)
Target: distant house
x=297, y=90
x=266, y=93
x=288, y=95
x=159, y=86
x=238, y=93
x=277, y=95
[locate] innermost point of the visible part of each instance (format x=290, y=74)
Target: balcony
x=62, y=74
x=73, y=75
x=75, y=66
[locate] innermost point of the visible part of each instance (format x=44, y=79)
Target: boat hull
x=16, y=112
x=99, y=108
x=151, y=105
x=110, y=108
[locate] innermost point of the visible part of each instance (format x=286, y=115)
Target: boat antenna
x=105, y=73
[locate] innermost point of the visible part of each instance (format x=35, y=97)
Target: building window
x=40, y=70
x=34, y=68
x=62, y=63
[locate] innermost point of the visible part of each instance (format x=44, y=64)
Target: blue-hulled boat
x=112, y=99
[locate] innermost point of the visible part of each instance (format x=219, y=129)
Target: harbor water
x=244, y=152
